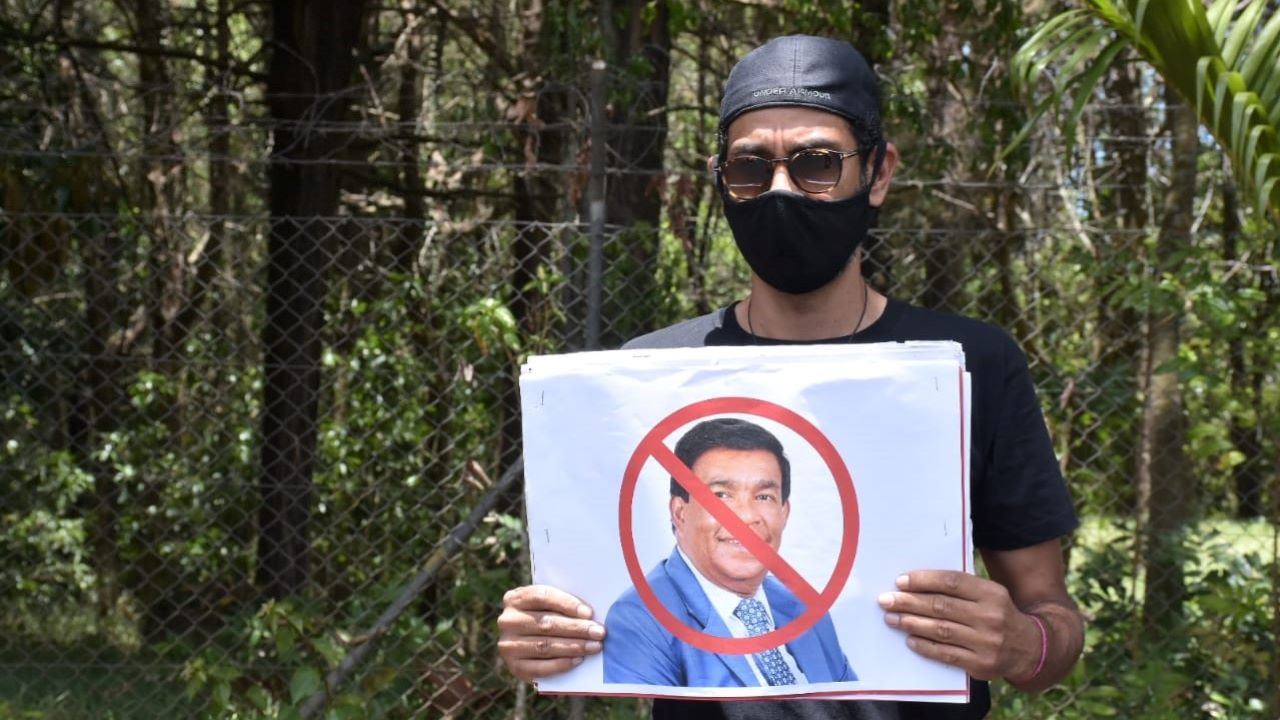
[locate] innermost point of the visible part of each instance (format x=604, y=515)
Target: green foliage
x=43, y=545
x=1214, y=665
x=265, y=664
x=287, y=657
x=1223, y=58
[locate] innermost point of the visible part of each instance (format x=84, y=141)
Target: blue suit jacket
x=638, y=649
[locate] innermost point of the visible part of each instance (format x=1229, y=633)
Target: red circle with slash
x=816, y=603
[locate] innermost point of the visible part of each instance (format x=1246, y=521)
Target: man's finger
x=945, y=582
x=548, y=624
x=934, y=605
x=548, y=648
x=545, y=597
x=535, y=669
x=943, y=631
x=943, y=652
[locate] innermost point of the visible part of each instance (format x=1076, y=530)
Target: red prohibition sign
x=816, y=603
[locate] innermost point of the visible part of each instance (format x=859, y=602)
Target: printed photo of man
x=714, y=585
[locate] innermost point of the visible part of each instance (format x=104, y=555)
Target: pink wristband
x=1044, y=648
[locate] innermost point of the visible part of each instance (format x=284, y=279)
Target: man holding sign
x=802, y=169
x=717, y=581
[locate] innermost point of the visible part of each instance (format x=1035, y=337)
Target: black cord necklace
x=861, y=316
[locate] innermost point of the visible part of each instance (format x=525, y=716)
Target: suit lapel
x=699, y=610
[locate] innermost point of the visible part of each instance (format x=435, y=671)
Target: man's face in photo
x=749, y=482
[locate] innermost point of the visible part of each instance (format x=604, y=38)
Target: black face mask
x=795, y=243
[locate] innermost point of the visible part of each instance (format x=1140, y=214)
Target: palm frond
x=1224, y=58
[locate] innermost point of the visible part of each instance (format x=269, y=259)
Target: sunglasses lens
x=747, y=176
x=815, y=171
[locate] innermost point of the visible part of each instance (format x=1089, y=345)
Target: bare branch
x=65, y=42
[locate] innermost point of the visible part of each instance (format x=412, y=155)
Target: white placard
x=876, y=439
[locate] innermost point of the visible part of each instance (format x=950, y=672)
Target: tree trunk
x=213, y=262
x=408, y=234
x=206, y=257
x=1117, y=375
x=163, y=170
x=1115, y=340
x=101, y=398
x=541, y=196
x=694, y=192
x=637, y=142
x=1165, y=482
x=943, y=260
x=314, y=44
x=1246, y=384
x=1116, y=343
x=149, y=576
x=540, y=112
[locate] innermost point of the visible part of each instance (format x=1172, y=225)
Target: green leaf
x=1030, y=69
x=1242, y=109
x=1096, y=709
x=1097, y=39
x=1219, y=16
x=1086, y=84
x=1219, y=59
x=222, y=693
x=1025, y=66
x=1105, y=692
x=196, y=677
x=1140, y=17
x=1230, y=459
x=329, y=649
x=304, y=683
x=1202, y=81
x=1220, y=93
x=286, y=641
x=259, y=698
x=378, y=679
x=1251, y=148
x=1112, y=15
x=1265, y=47
x=1268, y=187
x=1270, y=93
x=348, y=707
x=1241, y=31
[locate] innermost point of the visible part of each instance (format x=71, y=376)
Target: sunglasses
x=813, y=170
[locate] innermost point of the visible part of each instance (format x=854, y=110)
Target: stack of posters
x=732, y=513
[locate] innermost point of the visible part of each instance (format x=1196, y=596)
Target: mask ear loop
x=873, y=220
x=875, y=169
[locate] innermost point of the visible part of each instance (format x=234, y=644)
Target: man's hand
x=966, y=621
x=982, y=625
x=545, y=631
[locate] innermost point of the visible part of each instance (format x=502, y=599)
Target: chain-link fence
x=204, y=405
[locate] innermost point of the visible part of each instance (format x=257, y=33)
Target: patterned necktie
x=752, y=614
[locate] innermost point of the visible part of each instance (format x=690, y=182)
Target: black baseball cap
x=817, y=72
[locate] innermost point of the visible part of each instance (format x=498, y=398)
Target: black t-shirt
x=1018, y=497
